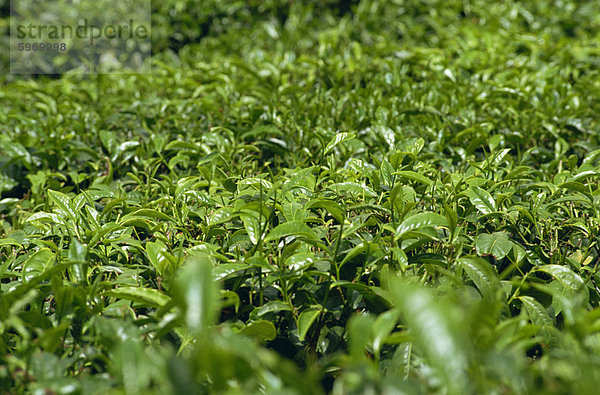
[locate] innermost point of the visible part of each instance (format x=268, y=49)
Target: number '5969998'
x=42, y=47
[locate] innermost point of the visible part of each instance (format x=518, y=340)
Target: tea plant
x=315, y=197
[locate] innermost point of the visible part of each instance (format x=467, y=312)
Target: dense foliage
x=311, y=196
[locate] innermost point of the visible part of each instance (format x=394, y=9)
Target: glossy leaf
x=290, y=229
x=64, y=203
x=482, y=200
x=146, y=296
x=306, y=319
x=339, y=138
x=418, y=221
x=482, y=274
x=496, y=244
x=261, y=330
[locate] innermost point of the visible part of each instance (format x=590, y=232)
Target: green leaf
x=482, y=200
x=569, y=279
x=147, y=296
x=230, y=298
x=261, y=131
x=78, y=257
x=64, y=203
x=332, y=208
x=52, y=338
x=157, y=256
x=337, y=139
x=436, y=330
x=196, y=293
x=411, y=175
x=576, y=187
x=261, y=330
x=252, y=226
x=538, y=314
x=422, y=220
x=46, y=367
x=106, y=229
x=10, y=242
x=359, y=328
x=352, y=188
x=482, y=274
x=38, y=264
x=51, y=217
x=292, y=228
x=146, y=212
x=273, y=307
x=260, y=262
x=230, y=184
x=357, y=250
x=452, y=218
x=496, y=244
x=225, y=269
x=306, y=319
x=221, y=216
x=300, y=261
x=300, y=175
x=363, y=289
x=400, y=256
x=585, y=175
x=382, y=327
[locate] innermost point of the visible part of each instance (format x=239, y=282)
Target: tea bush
x=335, y=196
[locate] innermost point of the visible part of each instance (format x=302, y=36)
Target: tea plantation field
x=311, y=197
